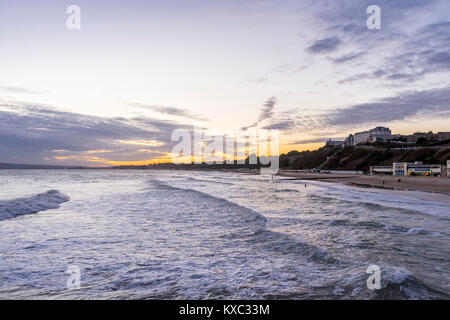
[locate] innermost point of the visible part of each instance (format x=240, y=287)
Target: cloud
x=280, y=125
x=400, y=107
x=32, y=134
x=411, y=47
x=348, y=57
x=325, y=45
x=265, y=113
x=283, y=70
x=173, y=111
x=250, y=126
x=267, y=109
x=420, y=52
x=12, y=89
x=357, y=77
x=424, y=53
x=307, y=141
x=440, y=59
x=259, y=80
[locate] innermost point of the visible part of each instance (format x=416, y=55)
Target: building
x=448, y=168
x=372, y=135
x=408, y=169
x=416, y=169
x=375, y=138
x=335, y=143
x=385, y=134
x=430, y=136
x=382, y=170
x=350, y=140
x=442, y=136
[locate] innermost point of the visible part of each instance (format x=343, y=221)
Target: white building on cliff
x=371, y=135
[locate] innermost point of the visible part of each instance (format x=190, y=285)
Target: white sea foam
x=214, y=235
x=432, y=204
x=49, y=200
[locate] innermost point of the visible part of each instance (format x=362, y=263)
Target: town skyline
x=371, y=136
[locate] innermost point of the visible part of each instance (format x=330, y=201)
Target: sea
x=153, y=234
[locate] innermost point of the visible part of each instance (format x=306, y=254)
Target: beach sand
x=439, y=185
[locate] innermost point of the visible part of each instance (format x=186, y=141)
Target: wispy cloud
x=348, y=57
x=325, y=45
x=280, y=125
x=307, y=141
x=408, y=49
x=12, y=89
x=267, y=109
x=425, y=52
x=265, y=113
x=167, y=110
x=37, y=134
x=400, y=107
x=281, y=70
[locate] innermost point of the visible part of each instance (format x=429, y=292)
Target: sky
x=113, y=91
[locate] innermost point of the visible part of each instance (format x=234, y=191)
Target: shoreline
x=433, y=185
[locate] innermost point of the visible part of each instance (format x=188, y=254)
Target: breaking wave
x=396, y=283
x=49, y=200
x=251, y=226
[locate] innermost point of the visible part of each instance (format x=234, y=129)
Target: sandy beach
x=426, y=184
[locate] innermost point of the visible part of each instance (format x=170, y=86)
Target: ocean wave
x=245, y=221
x=209, y=181
x=396, y=283
x=340, y=276
x=419, y=231
x=286, y=244
x=49, y=200
x=360, y=224
x=251, y=226
x=378, y=199
x=379, y=226
x=283, y=190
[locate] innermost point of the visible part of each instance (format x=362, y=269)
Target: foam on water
x=40, y=202
x=408, y=200
x=212, y=235
x=396, y=283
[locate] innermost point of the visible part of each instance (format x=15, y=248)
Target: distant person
x=399, y=180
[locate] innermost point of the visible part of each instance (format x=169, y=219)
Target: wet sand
x=426, y=184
